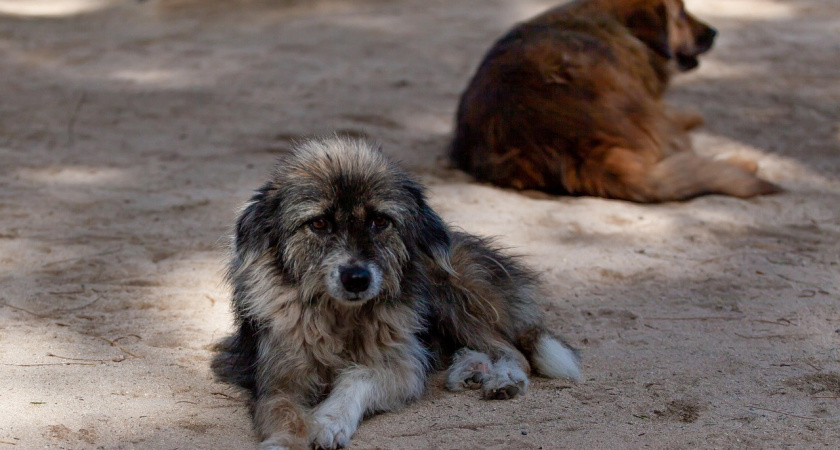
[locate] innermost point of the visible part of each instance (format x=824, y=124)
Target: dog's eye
x=379, y=222
x=320, y=225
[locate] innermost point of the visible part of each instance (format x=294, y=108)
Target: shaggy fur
x=570, y=102
x=347, y=288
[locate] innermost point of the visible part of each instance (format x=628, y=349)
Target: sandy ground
x=130, y=133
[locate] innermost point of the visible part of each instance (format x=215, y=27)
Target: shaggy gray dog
x=347, y=288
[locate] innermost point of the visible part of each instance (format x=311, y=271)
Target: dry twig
x=23, y=309
x=696, y=318
x=782, y=413
x=771, y=336
x=113, y=344
x=50, y=364
x=71, y=124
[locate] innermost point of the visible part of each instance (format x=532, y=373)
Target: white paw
x=272, y=444
x=469, y=369
x=332, y=433
x=506, y=380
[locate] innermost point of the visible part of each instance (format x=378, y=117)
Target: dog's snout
x=706, y=39
x=355, y=279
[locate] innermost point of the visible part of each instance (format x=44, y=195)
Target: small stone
x=524, y=433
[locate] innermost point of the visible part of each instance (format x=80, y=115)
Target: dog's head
x=668, y=29
x=340, y=220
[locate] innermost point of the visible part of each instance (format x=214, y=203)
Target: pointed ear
x=650, y=25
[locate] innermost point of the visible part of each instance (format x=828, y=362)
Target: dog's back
x=546, y=95
x=570, y=103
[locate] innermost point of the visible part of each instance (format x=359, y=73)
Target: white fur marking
x=335, y=288
x=271, y=444
x=554, y=360
x=464, y=364
x=340, y=414
x=505, y=372
x=362, y=389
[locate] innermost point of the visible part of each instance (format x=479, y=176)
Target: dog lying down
x=348, y=288
x=570, y=102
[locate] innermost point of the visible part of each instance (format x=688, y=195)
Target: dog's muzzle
x=355, y=279
x=354, y=282
x=705, y=38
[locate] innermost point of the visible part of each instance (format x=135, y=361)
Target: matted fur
x=347, y=288
x=570, y=102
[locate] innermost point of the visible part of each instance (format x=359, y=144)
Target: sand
x=131, y=132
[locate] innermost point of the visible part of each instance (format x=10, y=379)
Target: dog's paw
x=332, y=433
x=505, y=381
x=469, y=369
x=273, y=444
x=499, y=387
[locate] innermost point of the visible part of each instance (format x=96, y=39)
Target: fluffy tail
x=686, y=175
x=626, y=175
x=554, y=359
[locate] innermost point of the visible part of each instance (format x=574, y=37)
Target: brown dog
x=570, y=102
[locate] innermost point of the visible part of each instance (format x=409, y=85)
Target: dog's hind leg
x=685, y=175
x=534, y=347
x=507, y=379
x=501, y=370
x=492, y=312
x=681, y=176
x=468, y=370
x=493, y=365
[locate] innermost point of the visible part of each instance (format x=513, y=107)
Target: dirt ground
x=131, y=131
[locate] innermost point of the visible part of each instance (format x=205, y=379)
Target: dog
x=348, y=290
x=570, y=102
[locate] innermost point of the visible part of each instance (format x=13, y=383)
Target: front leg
x=364, y=389
x=338, y=416
x=685, y=119
x=286, y=384
x=280, y=422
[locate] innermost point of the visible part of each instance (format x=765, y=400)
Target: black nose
x=355, y=279
x=706, y=39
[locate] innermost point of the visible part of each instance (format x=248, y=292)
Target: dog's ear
x=433, y=238
x=430, y=232
x=650, y=25
x=255, y=228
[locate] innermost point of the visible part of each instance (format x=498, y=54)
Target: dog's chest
x=336, y=338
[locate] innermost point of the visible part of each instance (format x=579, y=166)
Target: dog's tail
x=552, y=357
x=681, y=176
x=686, y=175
